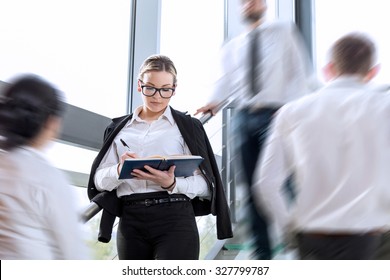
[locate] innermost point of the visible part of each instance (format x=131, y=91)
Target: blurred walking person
x=37, y=212
x=336, y=143
x=261, y=69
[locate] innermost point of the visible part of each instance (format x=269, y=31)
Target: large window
x=80, y=46
x=335, y=18
x=192, y=47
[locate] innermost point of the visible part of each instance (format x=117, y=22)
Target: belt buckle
x=149, y=202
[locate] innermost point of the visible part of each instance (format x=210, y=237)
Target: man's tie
x=254, y=62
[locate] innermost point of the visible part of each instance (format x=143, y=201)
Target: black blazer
x=196, y=138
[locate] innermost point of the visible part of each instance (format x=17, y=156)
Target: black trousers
x=338, y=247
x=165, y=231
x=252, y=131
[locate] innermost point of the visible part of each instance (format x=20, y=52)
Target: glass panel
x=71, y=158
x=334, y=18
x=272, y=9
x=192, y=48
x=81, y=46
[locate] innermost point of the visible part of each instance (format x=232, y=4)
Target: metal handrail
x=209, y=115
x=90, y=211
x=93, y=208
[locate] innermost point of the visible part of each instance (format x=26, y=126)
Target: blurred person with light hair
x=37, y=212
x=336, y=142
x=261, y=69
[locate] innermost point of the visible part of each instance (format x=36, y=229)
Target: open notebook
x=185, y=164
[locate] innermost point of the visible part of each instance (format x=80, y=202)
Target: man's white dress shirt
x=337, y=143
x=284, y=68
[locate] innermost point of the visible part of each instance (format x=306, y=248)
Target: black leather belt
x=154, y=201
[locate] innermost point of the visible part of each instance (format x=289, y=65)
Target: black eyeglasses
x=151, y=91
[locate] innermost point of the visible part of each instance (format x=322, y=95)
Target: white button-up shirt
x=160, y=137
x=284, y=68
x=37, y=210
x=337, y=143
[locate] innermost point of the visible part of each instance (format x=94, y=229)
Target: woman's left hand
x=162, y=178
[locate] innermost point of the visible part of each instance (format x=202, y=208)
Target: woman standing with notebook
x=157, y=210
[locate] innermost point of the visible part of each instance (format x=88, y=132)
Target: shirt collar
x=34, y=151
x=348, y=80
x=166, y=115
x=264, y=25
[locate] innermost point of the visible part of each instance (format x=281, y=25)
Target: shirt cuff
x=107, y=178
x=181, y=187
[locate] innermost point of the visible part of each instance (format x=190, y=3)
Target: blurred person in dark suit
x=261, y=69
x=336, y=142
x=37, y=212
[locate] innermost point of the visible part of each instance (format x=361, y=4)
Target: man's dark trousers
x=252, y=128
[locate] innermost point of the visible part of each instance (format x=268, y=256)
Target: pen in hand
x=125, y=145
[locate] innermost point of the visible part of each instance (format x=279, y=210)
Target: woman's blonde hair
x=158, y=63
